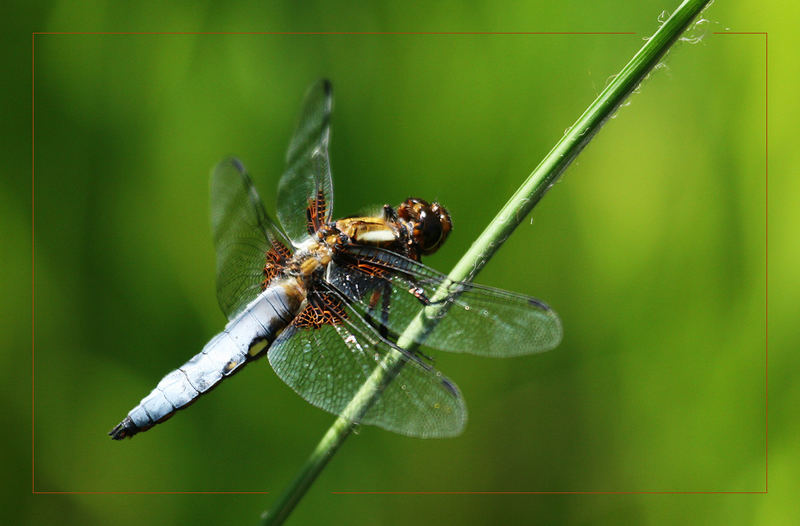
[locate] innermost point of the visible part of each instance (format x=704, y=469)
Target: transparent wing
x=389, y=290
x=307, y=177
x=328, y=365
x=250, y=247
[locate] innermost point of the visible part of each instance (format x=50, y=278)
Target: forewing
x=307, y=178
x=250, y=247
x=390, y=290
x=328, y=364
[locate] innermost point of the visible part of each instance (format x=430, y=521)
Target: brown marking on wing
x=322, y=309
x=275, y=262
x=374, y=298
x=281, y=250
x=369, y=265
x=315, y=213
x=369, y=269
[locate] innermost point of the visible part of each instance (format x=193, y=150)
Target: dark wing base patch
x=275, y=261
x=316, y=212
x=322, y=309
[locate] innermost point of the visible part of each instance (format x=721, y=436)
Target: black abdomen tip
x=124, y=429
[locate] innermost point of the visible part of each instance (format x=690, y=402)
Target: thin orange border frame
x=666, y=492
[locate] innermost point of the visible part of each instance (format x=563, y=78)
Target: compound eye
x=431, y=231
x=444, y=220
x=435, y=225
x=409, y=209
x=429, y=223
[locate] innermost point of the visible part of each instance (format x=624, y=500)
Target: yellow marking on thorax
x=368, y=230
x=308, y=266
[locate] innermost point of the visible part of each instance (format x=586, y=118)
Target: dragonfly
x=327, y=300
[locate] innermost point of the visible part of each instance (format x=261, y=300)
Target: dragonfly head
x=428, y=223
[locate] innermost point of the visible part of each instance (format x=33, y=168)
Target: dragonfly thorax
x=414, y=228
x=313, y=257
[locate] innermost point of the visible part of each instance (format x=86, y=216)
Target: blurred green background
x=651, y=248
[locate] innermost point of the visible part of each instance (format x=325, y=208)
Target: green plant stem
x=509, y=217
